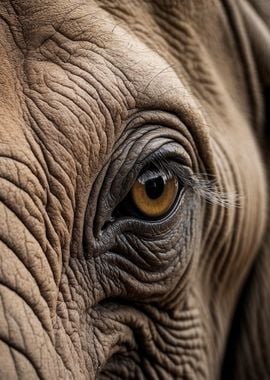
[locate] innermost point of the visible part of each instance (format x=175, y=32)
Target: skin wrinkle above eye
x=79, y=63
x=114, y=64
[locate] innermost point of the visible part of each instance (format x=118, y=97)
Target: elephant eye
x=155, y=196
x=152, y=195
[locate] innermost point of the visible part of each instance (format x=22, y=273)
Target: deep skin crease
x=91, y=92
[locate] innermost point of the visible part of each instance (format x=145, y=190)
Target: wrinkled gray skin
x=88, y=92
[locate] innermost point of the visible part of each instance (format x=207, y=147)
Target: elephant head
x=133, y=189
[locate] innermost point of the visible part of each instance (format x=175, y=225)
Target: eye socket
x=155, y=196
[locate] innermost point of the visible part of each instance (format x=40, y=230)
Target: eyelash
x=152, y=173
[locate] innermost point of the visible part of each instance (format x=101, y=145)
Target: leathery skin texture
x=91, y=94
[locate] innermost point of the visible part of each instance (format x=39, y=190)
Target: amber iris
x=155, y=197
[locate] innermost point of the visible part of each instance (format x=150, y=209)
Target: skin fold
x=91, y=92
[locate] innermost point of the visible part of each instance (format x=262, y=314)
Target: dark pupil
x=154, y=187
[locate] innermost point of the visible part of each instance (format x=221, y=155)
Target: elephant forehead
x=85, y=75
x=178, y=36
x=81, y=31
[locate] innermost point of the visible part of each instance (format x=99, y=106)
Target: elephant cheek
x=30, y=270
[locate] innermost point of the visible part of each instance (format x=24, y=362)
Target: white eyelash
x=208, y=190
x=151, y=174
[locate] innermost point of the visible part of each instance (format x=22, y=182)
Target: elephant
x=134, y=178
